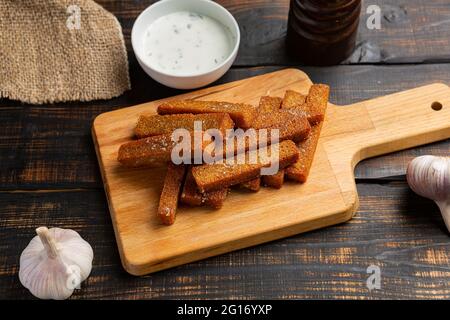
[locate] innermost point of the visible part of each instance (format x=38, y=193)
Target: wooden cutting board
x=350, y=134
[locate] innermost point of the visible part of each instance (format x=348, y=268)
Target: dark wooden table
x=49, y=175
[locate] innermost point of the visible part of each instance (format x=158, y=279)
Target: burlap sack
x=60, y=50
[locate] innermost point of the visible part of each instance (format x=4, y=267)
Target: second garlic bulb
x=429, y=176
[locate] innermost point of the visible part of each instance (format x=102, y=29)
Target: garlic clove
x=54, y=263
x=429, y=176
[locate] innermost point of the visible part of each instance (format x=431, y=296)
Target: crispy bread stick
x=266, y=105
x=292, y=126
x=299, y=171
x=275, y=181
x=151, y=151
x=314, y=105
x=252, y=185
x=168, y=202
x=216, y=176
x=231, y=146
x=192, y=197
x=242, y=114
x=154, y=125
x=293, y=99
x=316, y=102
x=269, y=104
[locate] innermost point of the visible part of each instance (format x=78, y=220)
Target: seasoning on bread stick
x=299, y=171
x=192, y=197
x=243, y=143
x=292, y=126
x=266, y=105
x=153, y=151
x=242, y=114
x=316, y=102
x=252, y=185
x=216, y=176
x=168, y=202
x=154, y=125
x=314, y=105
x=274, y=181
x=293, y=99
x=269, y=104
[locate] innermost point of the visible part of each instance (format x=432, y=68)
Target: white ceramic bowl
x=205, y=7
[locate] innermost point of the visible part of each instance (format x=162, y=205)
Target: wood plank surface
x=51, y=146
x=394, y=229
x=413, y=31
x=49, y=175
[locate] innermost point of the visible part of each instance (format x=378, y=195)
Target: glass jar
x=322, y=32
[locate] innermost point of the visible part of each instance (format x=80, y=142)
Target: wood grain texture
x=414, y=31
x=51, y=146
x=349, y=134
x=394, y=229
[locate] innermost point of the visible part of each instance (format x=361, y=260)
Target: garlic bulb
x=429, y=176
x=54, y=263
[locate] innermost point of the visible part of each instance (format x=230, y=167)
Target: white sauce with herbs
x=186, y=43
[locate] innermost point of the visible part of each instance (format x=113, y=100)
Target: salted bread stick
x=168, y=202
x=215, y=199
x=152, y=151
x=269, y=104
x=291, y=125
x=299, y=171
x=316, y=102
x=271, y=116
x=274, y=181
x=295, y=133
x=266, y=105
x=314, y=105
x=242, y=114
x=293, y=100
x=252, y=185
x=190, y=194
x=154, y=125
x=192, y=197
x=221, y=175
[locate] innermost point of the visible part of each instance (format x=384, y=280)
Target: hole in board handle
x=436, y=106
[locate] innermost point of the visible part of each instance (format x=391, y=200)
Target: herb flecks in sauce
x=187, y=43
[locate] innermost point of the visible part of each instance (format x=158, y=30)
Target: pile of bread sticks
x=297, y=117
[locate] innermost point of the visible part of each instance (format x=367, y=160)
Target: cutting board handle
x=400, y=121
x=383, y=125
